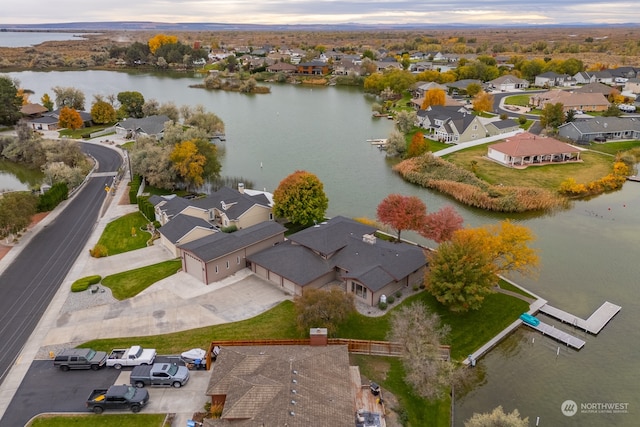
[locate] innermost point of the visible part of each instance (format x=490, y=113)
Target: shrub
x=99, y=251
x=398, y=294
x=416, y=288
x=391, y=299
x=382, y=305
x=229, y=229
x=84, y=283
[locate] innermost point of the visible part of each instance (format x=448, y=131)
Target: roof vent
x=293, y=402
x=292, y=413
x=369, y=238
x=294, y=391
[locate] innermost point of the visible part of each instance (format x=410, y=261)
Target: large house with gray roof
x=608, y=128
x=451, y=124
x=219, y=255
x=152, y=126
x=341, y=252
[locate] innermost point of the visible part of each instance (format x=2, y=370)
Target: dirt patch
x=124, y=200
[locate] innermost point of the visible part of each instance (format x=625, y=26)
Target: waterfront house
x=605, y=128
x=451, y=124
x=527, y=149
x=152, y=126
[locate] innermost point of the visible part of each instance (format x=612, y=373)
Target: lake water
x=588, y=253
x=28, y=38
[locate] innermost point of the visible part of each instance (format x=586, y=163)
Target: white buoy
x=537, y=420
x=260, y=165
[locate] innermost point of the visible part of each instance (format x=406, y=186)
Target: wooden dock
x=559, y=335
x=593, y=324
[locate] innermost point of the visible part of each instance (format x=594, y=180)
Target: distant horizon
x=327, y=12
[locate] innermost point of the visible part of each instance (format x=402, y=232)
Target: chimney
x=241, y=188
x=318, y=337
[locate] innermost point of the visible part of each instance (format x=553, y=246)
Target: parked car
x=117, y=397
x=80, y=358
x=160, y=374
x=132, y=356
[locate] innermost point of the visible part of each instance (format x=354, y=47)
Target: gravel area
x=374, y=311
x=87, y=299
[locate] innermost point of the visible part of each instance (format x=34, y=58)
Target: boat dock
x=593, y=324
x=379, y=142
x=559, y=335
x=633, y=178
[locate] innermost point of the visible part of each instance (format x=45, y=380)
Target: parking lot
x=48, y=389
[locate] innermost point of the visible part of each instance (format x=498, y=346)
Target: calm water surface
x=589, y=253
x=25, y=39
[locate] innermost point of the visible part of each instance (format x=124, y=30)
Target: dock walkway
x=593, y=324
x=559, y=335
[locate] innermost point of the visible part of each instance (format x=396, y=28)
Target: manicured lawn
x=593, y=166
x=117, y=236
x=614, y=147
x=520, y=100
x=279, y=322
x=77, y=133
x=130, y=283
x=106, y=420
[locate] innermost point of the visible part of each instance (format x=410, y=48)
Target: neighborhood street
x=30, y=275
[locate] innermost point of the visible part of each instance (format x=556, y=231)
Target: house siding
x=254, y=215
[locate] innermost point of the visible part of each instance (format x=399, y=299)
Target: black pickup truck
x=117, y=397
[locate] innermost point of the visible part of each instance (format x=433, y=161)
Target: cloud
x=497, y=12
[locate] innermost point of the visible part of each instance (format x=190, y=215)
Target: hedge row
x=53, y=197
x=84, y=283
x=134, y=186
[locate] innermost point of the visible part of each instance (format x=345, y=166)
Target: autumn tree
x=402, y=213
x=433, y=96
x=150, y=108
x=405, y=121
x=102, y=112
x=188, y=163
x=131, y=103
x=159, y=40
x=440, y=225
x=396, y=144
x=47, y=102
x=152, y=160
x=10, y=102
x=552, y=115
x=465, y=268
x=319, y=308
x=420, y=336
x=497, y=418
x=170, y=110
x=473, y=89
x=70, y=119
x=202, y=119
x=483, y=101
x=69, y=97
x=16, y=210
x=418, y=145
x=300, y=198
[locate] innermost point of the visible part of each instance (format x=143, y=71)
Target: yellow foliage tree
x=433, y=96
x=188, y=162
x=483, y=102
x=159, y=40
x=24, y=95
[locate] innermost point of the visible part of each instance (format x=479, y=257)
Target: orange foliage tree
x=159, y=40
x=483, y=102
x=70, y=119
x=300, y=198
x=402, y=213
x=418, y=145
x=433, y=96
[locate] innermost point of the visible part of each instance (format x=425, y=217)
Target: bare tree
x=420, y=334
x=497, y=418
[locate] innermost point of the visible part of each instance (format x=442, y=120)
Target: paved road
x=28, y=284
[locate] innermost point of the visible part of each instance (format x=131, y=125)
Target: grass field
x=106, y=420
x=614, y=147
x=130, y=283
x=118, y=238
x=520, y=100
x=593, y=166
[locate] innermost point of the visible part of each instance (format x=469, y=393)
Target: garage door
x=193, y=266
x=289, y=286
x=262, y=272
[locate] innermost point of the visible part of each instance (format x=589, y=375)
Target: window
x=227, y=265
x=237, y=260
x=216, y=269
x=358, y=289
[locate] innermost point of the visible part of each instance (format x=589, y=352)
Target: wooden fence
x=371, y=348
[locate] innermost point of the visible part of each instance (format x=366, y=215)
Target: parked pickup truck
x=162, y=374
x=117, y=397
x=80, y=358
x=132, y=356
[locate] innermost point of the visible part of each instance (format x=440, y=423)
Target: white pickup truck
x=133, y=356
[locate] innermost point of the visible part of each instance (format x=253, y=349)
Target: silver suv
x=80, y=358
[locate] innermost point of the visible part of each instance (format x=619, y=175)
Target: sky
x=291, y=12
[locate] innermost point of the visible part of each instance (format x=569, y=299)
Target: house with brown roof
x=282, y=67
x=283, y=385
x=317, y=68
x=527, y=149
x=341, y=252
x=574, y=100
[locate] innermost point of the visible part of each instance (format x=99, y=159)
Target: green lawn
x=520, y=100
x=77, y=133
x=593, y=166
x=117, y=236
x=106, y=420
x=614, y=147
x=131, y=282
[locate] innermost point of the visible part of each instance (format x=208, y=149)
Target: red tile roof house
x=527, y=149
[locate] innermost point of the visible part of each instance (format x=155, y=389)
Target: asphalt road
x=29, y=283
x=48, y=389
